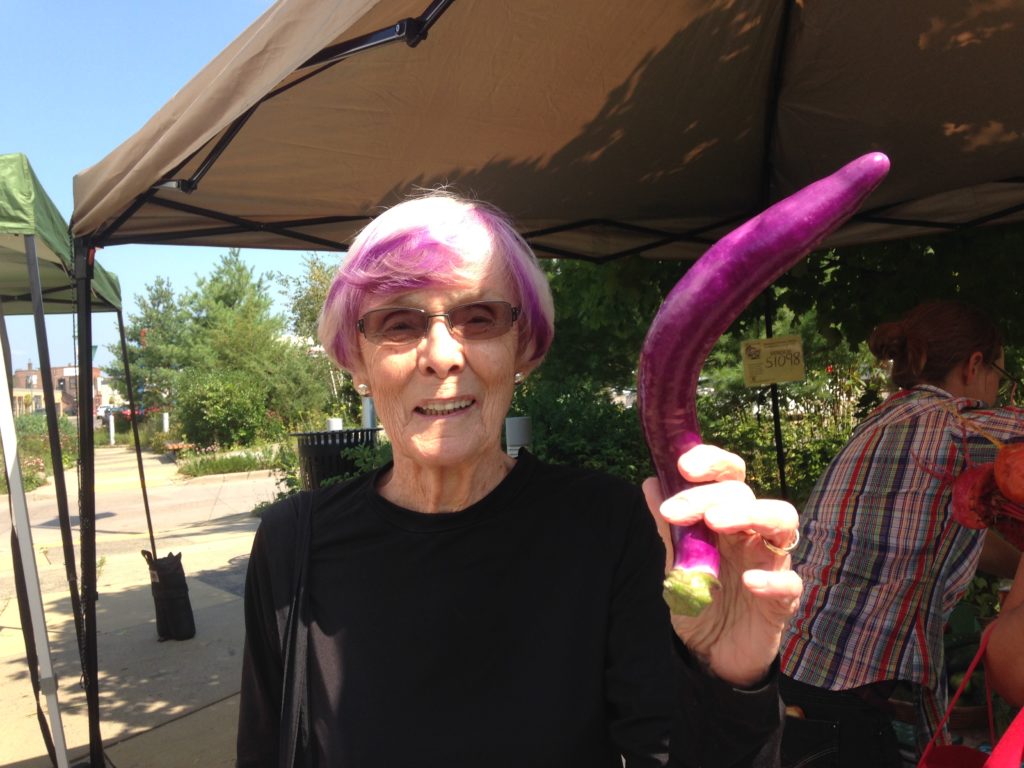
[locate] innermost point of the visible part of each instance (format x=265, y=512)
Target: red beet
x=978, y=502
x=972, y=495
x=1009, y=471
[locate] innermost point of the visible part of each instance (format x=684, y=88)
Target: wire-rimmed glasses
x=405, y=325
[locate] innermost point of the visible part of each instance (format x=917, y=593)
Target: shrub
x=221, y=408
x=577, y=426
x=364, y=458
x=34, y=448
x=199, y=465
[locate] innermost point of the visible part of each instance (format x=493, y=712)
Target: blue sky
x=81, y=78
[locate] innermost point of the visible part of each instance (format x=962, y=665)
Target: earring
x=519, y=378
x=363, y=390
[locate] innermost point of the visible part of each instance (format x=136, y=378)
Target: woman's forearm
x=1004, y=658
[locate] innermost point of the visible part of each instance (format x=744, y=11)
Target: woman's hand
x=738, y=635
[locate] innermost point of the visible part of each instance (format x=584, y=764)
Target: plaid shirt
x=883, y=562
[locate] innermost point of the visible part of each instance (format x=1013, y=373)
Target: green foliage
x=199, y=465
x=580, y=426
x=817, y=414
x=306, y=295
x=36, y=463
x=982, y=596
x=221, y=408
x=364, y=458
x=603, y=313
x=152, y=436
x=159, y=340
x=224, y=326
x=287, y=466
x=855, y=288
x=579, y=399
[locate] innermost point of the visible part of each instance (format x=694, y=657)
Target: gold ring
x=782, y=551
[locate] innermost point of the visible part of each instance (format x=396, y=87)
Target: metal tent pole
x=23, y=533
x=780, y=448
x=87, y=495
x=56, y=456
x=134, y=421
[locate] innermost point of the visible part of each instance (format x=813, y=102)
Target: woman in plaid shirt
x=882, y=561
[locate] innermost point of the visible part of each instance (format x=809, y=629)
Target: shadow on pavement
x=143, y=682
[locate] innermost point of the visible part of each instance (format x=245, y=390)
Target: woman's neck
x=443, y=489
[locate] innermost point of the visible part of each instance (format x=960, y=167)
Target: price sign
x=772, y=361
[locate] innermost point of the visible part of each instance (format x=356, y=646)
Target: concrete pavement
x=161, y=703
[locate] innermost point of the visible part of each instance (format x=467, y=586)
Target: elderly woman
x=458, y=607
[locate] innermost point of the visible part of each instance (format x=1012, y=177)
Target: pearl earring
x=363, y=390
x=519, y=378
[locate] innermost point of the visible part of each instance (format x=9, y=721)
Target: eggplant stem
x=688, y=590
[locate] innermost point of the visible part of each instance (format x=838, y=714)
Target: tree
x=579, y=398
x=224, y=326
x=602, y=314
x=158, y=339
x=306, y=295
x=855, y=288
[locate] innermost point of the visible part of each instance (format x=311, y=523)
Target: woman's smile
x=445, y=407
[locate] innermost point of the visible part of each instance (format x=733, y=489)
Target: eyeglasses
x=405, y=325
x=1008, y=385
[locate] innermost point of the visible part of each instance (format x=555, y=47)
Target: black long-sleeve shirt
x=526, y=630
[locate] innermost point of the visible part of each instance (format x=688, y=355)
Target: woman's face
x=442, y=399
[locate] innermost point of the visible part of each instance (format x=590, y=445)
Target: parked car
x=125, y=410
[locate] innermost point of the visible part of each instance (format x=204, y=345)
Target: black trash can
x=320, y=453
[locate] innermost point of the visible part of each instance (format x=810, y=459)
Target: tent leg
x=47, y=681
x=780, y=449
x=87, y=495
x=56, y=457
x=134, y=421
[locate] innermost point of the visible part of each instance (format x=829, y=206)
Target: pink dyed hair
x=427, y=242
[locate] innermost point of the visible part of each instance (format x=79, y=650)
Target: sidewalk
x=161, y=704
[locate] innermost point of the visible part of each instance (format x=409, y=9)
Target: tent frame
x=412, y=31
x=44, y=680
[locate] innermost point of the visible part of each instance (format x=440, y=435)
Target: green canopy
x=25, y=209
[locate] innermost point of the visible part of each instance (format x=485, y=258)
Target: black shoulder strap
x=293, y=699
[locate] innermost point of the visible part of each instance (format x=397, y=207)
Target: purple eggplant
x=697, y=311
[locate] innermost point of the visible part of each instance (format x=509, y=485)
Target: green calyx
x=688, y=592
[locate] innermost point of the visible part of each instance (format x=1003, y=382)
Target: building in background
x=28, y=390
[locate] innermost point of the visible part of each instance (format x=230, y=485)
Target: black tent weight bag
x=170, y=594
